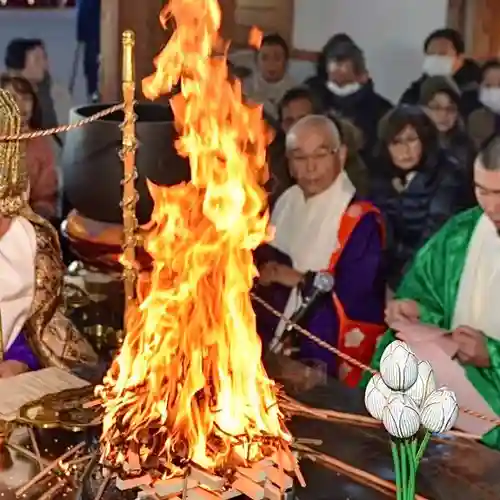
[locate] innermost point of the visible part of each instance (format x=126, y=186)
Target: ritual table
x=452, y=468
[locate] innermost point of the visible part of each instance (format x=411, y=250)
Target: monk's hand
x=402, y=310
x=11, y=368
x=287, y=276
x=472, y=348
x=267, y=273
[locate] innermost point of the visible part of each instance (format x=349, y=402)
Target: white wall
x=391, y=33
x=57, y=28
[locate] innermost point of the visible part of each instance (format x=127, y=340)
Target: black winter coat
x=364, y=109
x=414, y=214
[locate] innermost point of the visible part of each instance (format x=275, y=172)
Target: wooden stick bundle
x=53, y=465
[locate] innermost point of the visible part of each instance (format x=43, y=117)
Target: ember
x=188, y=387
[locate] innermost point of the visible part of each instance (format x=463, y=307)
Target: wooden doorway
x=271, y=16
x=483, y=19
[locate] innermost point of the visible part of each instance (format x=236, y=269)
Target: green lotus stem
x=411, y=451
x=404, y=470
x=397, y=470
x=422, y=447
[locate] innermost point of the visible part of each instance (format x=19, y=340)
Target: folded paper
x=436, y=346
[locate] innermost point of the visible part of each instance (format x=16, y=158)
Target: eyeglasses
x=449, y=110
x=405, y=142
x=317, y=157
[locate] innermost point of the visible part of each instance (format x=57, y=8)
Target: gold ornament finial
x=128, y=43
x=13, y=173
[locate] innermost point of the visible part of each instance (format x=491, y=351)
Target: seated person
x=320, y=225
x=440, y=99
x=35, y=332
x=40, y=158
x=413, y=183
x=269, y=83
x=299, y=102
x=484, y=122
x=349, y=93
x=454, y=284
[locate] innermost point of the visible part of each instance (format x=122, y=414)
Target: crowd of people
x=399, y=201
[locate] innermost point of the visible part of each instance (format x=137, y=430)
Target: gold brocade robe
x=50, y=334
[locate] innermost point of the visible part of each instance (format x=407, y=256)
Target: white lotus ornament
x=424, y=385
x=398, y=366
x=401, y=416
x=376, y=396
x=439, y=411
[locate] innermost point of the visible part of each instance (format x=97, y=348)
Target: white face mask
x=438, y=65
x=349, y=89
x=490, y=97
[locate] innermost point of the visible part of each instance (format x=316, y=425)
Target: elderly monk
x=454, y=284
x=321, y=225
x=34, y=331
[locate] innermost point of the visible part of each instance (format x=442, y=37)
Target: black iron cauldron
x=93, y=171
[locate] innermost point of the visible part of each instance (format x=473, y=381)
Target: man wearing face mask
x=485, y=121
x=349, y=93
x=444, y=56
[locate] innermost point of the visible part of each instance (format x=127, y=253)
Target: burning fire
x=188, y=384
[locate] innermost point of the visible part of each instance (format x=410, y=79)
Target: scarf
x=307, y=230
x=479, y=289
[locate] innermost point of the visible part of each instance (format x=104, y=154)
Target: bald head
x=487, y=180
x=317, y=125
x=489, y=156
x=316, y=154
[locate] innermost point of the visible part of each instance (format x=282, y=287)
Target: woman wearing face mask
x=444, y=56
x=414, y=184
x=440, y=99
x=348, y=91
x=484, y=122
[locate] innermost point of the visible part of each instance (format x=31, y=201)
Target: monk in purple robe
x=320, y=225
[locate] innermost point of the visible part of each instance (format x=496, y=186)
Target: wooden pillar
x=116, y=17
x=485, y=32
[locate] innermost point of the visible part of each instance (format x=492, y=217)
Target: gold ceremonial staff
x=129, y=146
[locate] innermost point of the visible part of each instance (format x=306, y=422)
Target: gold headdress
x=13, y=173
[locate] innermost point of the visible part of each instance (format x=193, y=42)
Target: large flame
x=188, y=384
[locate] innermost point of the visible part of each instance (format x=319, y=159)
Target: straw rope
x=63, y=128
x=325, y=345
x=345, y=357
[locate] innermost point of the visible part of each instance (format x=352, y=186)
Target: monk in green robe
x=454, y=284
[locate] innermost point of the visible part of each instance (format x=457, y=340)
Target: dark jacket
x=482, y=124
x=414, y=214
x=467, y=79
x=459, y=146
x=279, y=175
x=88, y=20
x=364, y=109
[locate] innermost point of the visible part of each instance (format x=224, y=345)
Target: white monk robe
x=17, y=278
x=307, y=230
x=478, y=299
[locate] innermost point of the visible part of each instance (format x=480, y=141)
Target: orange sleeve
x=41, y=165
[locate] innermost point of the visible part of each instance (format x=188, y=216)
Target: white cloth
x=307, y=230
x=266, y=93
x=477, y=300
x=17, y=277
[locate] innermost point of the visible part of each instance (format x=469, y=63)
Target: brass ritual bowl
x=69, y=410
